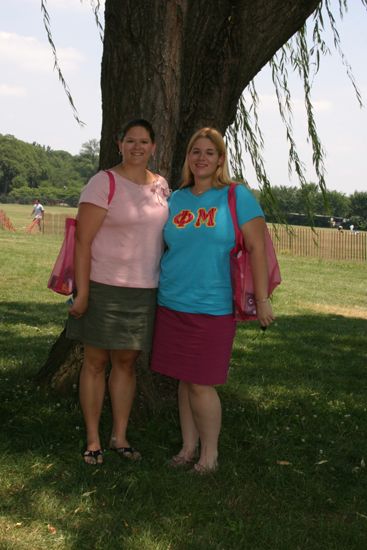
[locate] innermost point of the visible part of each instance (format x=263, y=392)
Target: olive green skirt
x=116, y=318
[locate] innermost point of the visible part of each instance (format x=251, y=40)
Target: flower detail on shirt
x=161, y=192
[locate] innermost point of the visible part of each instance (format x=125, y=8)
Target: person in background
x=38, y=213
x=118, y=249
x=195, y=326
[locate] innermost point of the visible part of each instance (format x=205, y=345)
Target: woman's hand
x=79, y=307
x=265, y=313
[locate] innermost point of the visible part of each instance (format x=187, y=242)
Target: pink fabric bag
x=62, y=278
x=244, y=303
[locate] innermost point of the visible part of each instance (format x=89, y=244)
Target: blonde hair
x=221, y=176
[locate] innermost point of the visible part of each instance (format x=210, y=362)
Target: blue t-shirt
x=199, y=234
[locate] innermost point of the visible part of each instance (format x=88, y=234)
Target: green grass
x=293, y=447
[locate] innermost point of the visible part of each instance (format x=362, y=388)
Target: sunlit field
x=20, y=214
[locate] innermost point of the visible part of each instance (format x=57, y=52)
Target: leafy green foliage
x=358, y=209
x=29, y=171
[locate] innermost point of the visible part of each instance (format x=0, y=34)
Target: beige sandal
x=202, y=470
x=127, y=452
x=179, y=461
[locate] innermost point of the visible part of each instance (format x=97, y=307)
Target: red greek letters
x=183, y=218
x=206, y=217
x=203, y=217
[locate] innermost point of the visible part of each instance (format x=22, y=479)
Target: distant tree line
x=307, y=205
x=30, y=171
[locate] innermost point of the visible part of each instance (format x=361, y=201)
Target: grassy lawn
x=293, y=448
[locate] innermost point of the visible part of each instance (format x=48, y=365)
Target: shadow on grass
x=324, y=349
x=305, y=375
x=291, y=475
x=28, y=330
x=32, y=313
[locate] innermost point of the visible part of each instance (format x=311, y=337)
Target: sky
x=34, y=107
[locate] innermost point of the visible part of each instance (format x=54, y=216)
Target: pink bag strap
x=111, y=177
x=232, y=209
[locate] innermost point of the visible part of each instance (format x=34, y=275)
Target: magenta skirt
x=193, y=347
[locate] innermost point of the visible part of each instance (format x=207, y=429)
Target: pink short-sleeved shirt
x=128, y=247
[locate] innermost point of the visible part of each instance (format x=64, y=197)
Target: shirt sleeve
x=171, y=198
x=247, y=207
x=97, y=190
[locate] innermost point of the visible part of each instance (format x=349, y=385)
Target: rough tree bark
x=181, y=64
x=61, y=373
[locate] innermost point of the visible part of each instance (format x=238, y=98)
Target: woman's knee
x=198, y=390
x=124, y=360
x=95, y=360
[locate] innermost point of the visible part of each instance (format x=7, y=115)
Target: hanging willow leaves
x=47, y=25
x=245, y=132
x=96, y=5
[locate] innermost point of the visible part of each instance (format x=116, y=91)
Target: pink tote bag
x=62, y=278
x=244, y=302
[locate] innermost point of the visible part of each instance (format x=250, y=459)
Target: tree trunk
x=61, y=370
x=181, y=64
x=61, y=374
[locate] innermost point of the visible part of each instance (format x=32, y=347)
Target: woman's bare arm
x=90, y=218
x=254, y=235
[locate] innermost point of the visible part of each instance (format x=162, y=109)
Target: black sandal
x=93, y=458
x=127, y=452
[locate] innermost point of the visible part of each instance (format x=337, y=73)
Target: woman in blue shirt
x=195, y=326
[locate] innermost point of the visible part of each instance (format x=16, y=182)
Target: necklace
x=141, y=181
x=196, y=192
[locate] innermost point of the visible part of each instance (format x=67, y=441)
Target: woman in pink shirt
x=118, y=248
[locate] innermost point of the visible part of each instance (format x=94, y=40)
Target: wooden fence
x=328, y=244
x=54, y=224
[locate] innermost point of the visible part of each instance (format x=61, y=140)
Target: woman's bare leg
x=207, y=413
x=190, y=434
x=91, y=392
x=122, y=384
